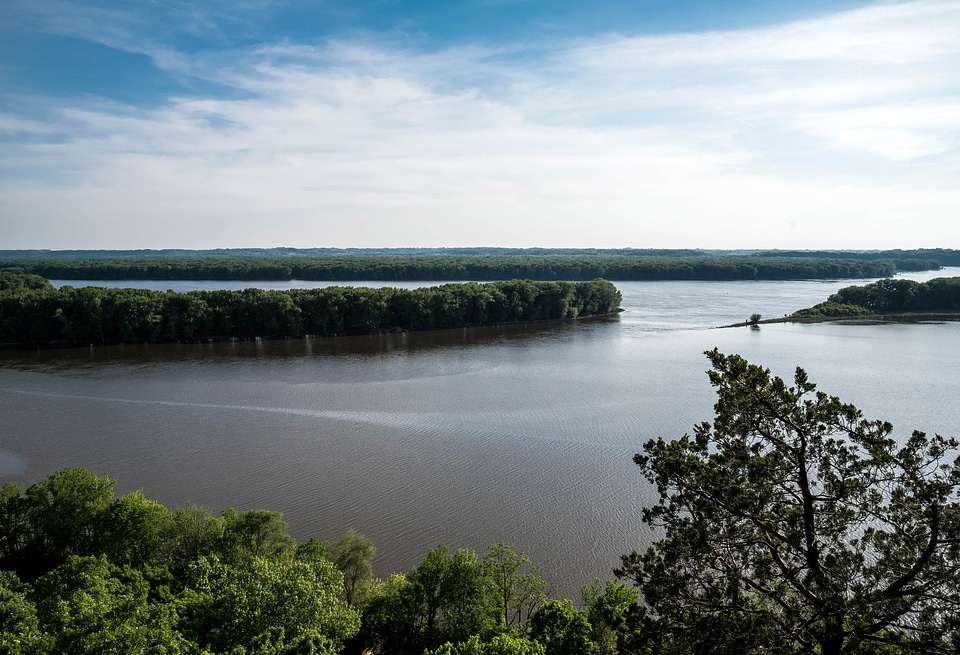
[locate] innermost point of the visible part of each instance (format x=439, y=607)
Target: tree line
x=790, y=524
x=943, y=256
x=481, y=251
x=440, y=267
x=889, y=296
x=97, y=315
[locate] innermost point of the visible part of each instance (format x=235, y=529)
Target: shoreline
x=862, y=319
x=61, y=345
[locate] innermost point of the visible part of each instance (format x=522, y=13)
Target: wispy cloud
x=794, y=135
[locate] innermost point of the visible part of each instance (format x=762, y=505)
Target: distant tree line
x=415, y=267
x=904, y=258
x=889, y=296
x=945, y=256
x=293, y=253
x=31, y=315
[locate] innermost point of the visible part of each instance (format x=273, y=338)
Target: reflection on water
x=516, y=433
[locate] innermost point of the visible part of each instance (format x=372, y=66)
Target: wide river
x=466, y=437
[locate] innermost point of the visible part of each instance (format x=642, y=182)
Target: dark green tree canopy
x=792, y=520
x=940, y=294
x=90, y=315
x=422, y=264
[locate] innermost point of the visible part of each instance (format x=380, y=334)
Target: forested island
x=789, y=525
x=33, y=312
x=476, y=264
x=886, y=297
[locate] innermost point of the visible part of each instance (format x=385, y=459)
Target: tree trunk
x=833, y=637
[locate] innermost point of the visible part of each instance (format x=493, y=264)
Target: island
x=887, y=299
x=34, y=313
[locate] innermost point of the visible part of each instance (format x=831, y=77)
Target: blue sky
x=153, y=124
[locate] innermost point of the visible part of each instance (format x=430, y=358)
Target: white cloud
x=811, y=134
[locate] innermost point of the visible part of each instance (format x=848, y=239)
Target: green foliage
x=886, y=296
x=562, y=629
x=517, y=587
x=131, y=531
x=122, y=575
x=20, y=632
x=444, y=599
x=229, y=606
x=187, y=534
x=14, y=278
x=353, y=554
x=15, y=527
x=65, y=515
x=609, y=608
x=792, y=520
x=831, y=310
x=257, y=533
x=469, y=264
x=99, y=315
x=90, y=606
x=502, y=644
x=922, y=259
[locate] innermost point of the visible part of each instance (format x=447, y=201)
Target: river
x=467, y=437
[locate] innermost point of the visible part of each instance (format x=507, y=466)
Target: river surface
x=467, y=437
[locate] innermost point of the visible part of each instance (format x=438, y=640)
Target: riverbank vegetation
x=789, y=525
x=34, y=313
x=884, y=297
x=83, y=571
x=476, y=264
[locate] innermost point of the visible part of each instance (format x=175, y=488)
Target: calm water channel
x=466, y=437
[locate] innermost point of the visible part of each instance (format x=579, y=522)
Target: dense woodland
x=477, y=264
x=889, y=296
x=944, y=256
x=789, y=525
x=33, y=312
x=83, y=571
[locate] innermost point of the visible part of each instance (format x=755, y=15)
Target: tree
x=66, y=515
x=14, y=526
x=188, y=533
x=132, y=527
x=254, y=533
x=353, y=554
x=793, y=516
x=19, y=628
x=88, y=605
x=562, y=629
x=609, y=607
x=444, y=599
x=268, y=600
x=518, y=588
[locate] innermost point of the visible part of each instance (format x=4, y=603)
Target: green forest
x=788, y=525
x=888, y=297
x=83, y=571
x=476, y=264
x=33, y=312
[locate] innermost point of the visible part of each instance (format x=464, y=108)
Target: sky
x=518, y=123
